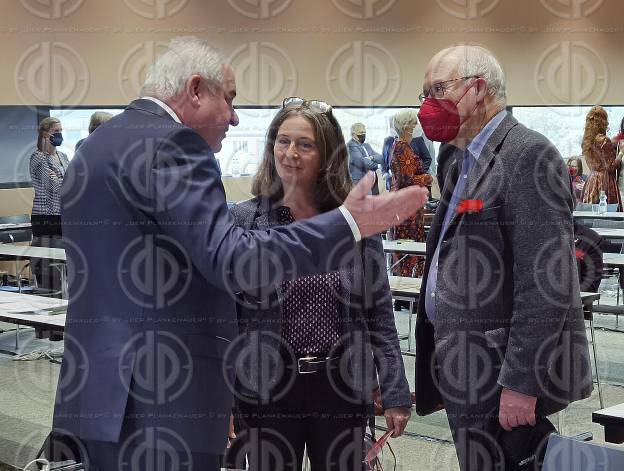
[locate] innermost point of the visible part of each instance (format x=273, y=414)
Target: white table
x=407, y=247
x=612, y=419
x=615, y=216
x=27, y=309
x=609, y=233
x=33, y=311
x=11, y=226
x=26, y=252
x=404, y=247
x=613, y=260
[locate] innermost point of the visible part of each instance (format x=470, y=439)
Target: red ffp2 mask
x=439, y=118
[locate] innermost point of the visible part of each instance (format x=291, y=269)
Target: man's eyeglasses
x=438, y=89
x=315, y=105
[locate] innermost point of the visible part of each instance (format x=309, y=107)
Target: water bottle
x=602, y=206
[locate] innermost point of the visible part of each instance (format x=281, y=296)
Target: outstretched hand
x=374, y=214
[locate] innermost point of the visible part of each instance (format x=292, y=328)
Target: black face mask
x=361, y=138
x=56, y=139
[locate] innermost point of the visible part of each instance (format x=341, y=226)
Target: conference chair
x=590, y=268
x=13, y=235
x=571, y=454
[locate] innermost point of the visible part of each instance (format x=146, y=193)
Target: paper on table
x=36, y=307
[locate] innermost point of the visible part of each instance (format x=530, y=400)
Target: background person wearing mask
x=362, y=157
x=407, y=170
x=97, y=118
x=47, y=170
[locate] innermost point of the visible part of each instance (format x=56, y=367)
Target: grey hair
x=185, y=56
x=403, y=119
x=477, y=60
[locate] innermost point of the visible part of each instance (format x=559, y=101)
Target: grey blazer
x=373, y=355
x=507, y=286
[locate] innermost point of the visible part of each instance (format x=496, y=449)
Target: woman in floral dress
x=407, y=169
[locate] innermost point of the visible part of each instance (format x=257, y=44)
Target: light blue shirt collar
x=478, y=142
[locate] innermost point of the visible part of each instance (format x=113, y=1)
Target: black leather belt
x=311, y=364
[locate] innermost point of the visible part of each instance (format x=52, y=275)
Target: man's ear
x=193, y=89
x=481, y=88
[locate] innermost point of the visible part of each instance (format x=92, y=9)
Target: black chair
x=590, y=269
x=12, y=235
x=589, y=249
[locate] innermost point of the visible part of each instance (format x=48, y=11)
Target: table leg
x=614, y=434
x=18, y=276
x=64, y=291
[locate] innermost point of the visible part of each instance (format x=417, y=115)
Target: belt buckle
x=300, y=363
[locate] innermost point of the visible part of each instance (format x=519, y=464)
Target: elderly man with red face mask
x=500, y=332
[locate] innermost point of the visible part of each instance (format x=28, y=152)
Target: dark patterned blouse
x=311, y=321
x=47, y=173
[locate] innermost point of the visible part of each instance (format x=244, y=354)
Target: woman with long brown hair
x=600, y=154
x=331, y=349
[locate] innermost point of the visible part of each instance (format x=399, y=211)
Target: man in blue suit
x=362, y=157
x=154, y=263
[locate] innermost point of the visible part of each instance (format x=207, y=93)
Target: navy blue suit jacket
x=155, y=263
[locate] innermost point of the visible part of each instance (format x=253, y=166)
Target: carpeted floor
x=27, y=390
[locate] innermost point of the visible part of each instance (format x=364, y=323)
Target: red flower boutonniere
x=579, y=254
x=469, y=206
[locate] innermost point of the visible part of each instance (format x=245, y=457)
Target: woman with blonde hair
x=407, y=169
x=600, y=155
x=47, y=170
